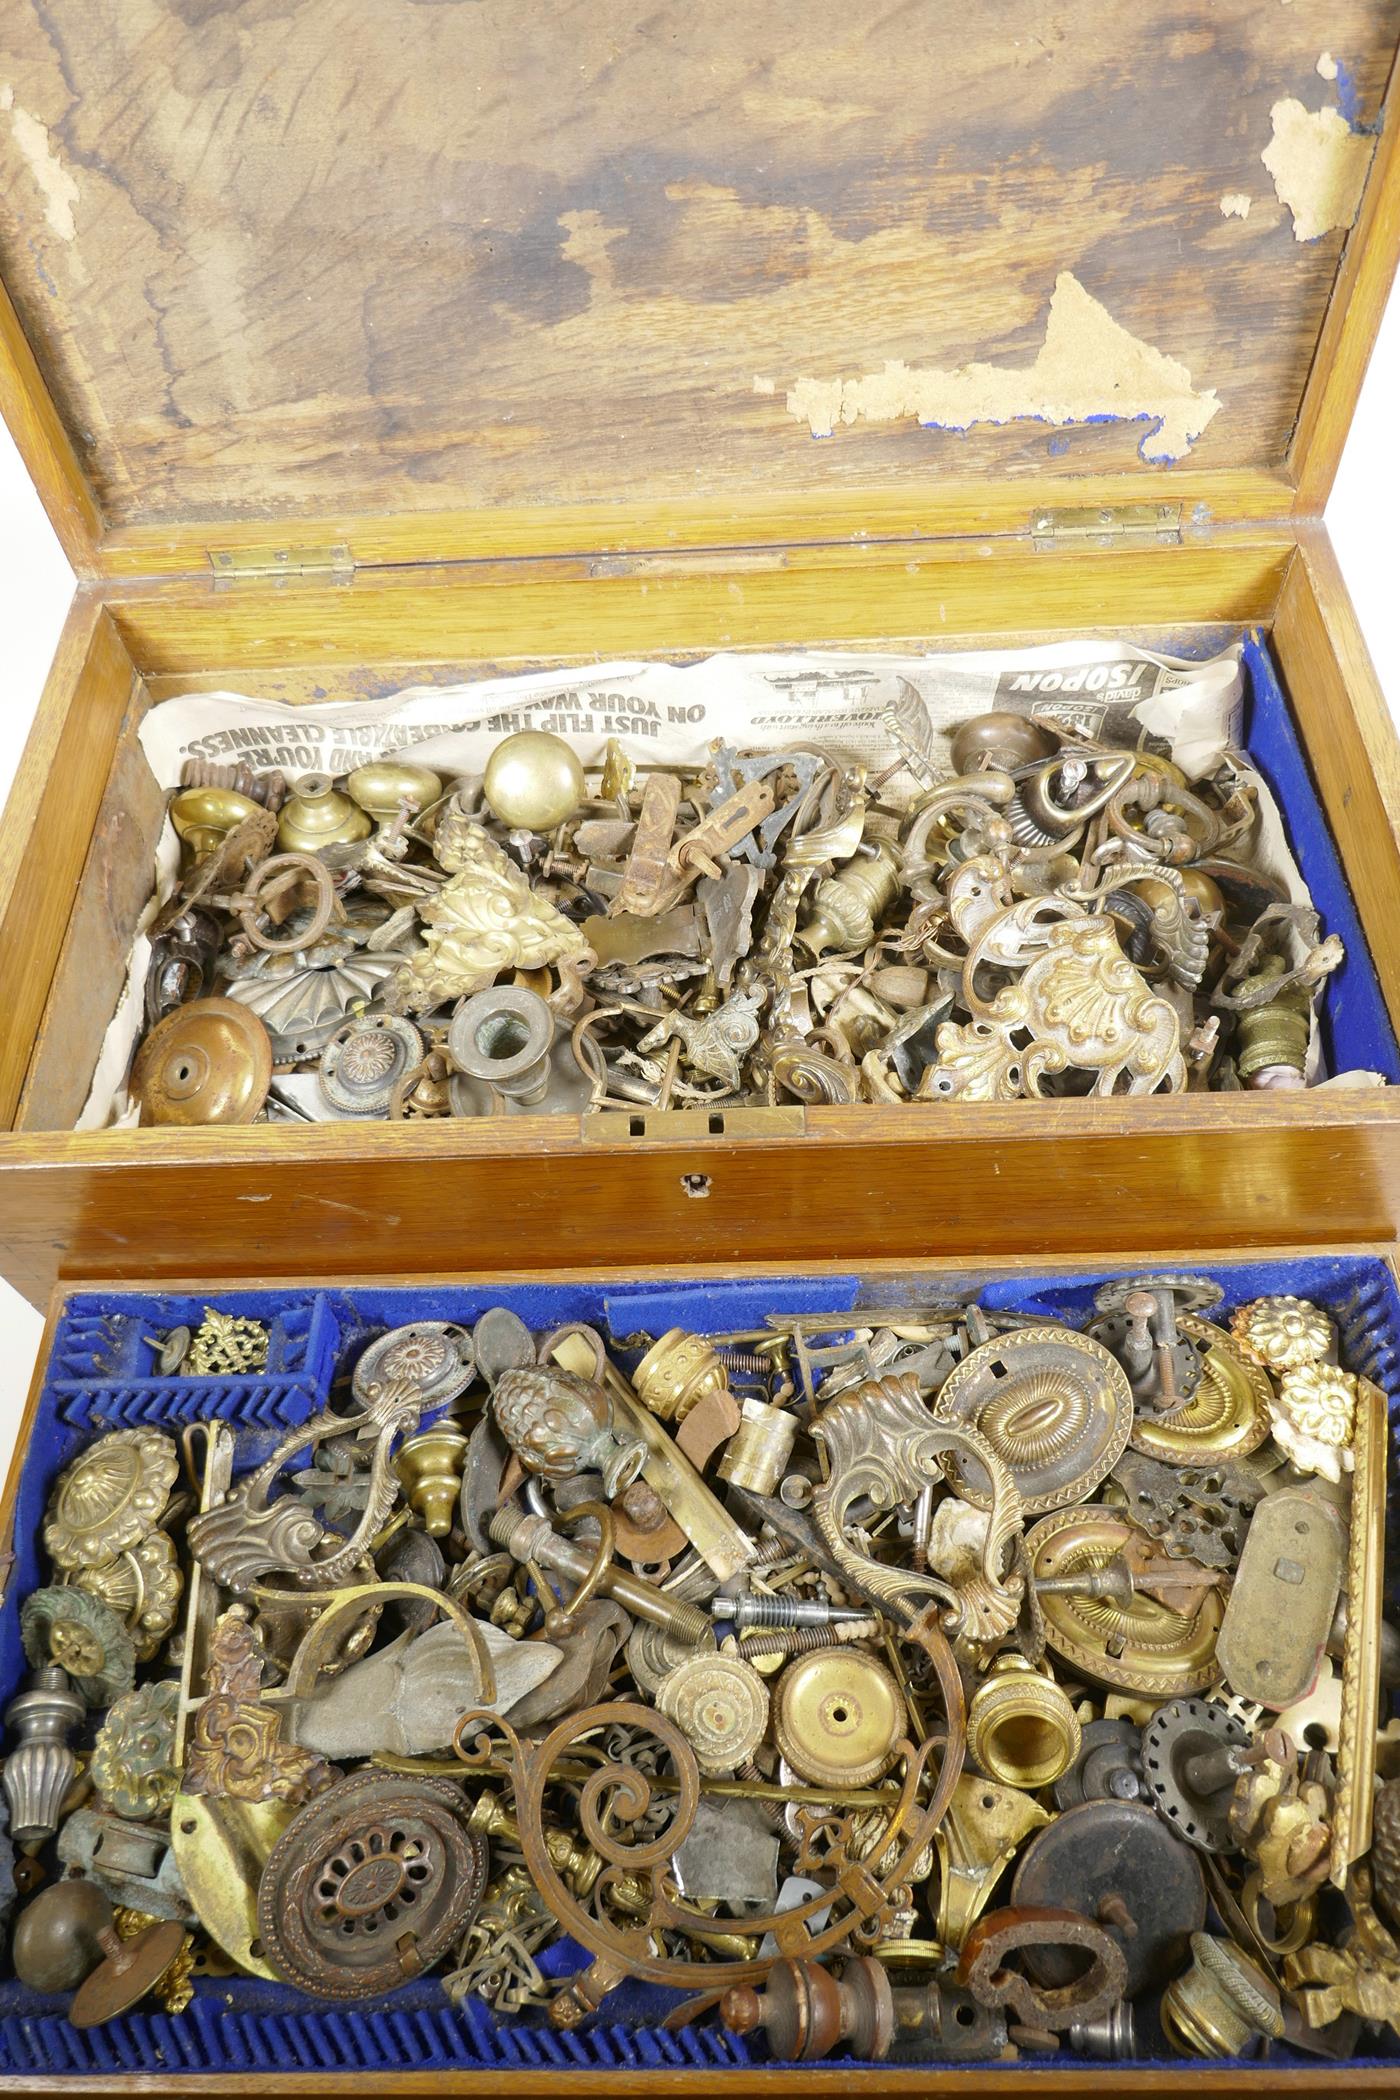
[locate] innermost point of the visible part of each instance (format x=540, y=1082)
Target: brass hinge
x=1106, y=525
x=333, y=564
x=622, y=1126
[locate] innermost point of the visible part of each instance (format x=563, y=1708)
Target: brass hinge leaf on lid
x=275, y=565
x=1108, y=525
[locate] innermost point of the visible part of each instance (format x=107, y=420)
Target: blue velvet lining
x=1357, y=1034
x=100, y=1376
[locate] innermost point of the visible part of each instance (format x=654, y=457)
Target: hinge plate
x=1109, y=525
x=276, y=565
x=606, y=1126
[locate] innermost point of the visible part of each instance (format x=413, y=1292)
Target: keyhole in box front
x=695, y=1184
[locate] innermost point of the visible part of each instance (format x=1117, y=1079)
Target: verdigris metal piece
x=132, y=1862
x=1273, y=1637
x=79, y=1634
x=133, y=1759
x=1055, y=1407
x=111, y=1495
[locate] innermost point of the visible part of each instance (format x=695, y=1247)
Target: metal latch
x=606, y=1126
x=1108, y=525
x=331, y=564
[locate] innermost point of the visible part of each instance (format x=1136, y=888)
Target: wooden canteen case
x=370, y=345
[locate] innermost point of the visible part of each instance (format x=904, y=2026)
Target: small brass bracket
x=278, y=565
x=1109, y=525
x=617, y=1127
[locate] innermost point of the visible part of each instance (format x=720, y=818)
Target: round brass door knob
x=210, y=1062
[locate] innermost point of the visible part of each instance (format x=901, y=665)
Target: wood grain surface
x=871, y=1182
x=408, y=258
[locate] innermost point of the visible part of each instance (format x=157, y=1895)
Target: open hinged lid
x=426, y=279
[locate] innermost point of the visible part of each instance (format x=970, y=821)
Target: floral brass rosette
x=1314, y=1414
x=1281, y=1333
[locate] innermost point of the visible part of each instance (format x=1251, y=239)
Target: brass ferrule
x=1021, y=1728
x=758, y=1452
x=1221, y=2004
x=676, y=1372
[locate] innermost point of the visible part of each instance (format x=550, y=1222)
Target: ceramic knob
x=317, y=814
x=56, y=1940
x=533, y=781
x=39, y=1768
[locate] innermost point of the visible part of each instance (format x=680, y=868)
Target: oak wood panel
x=412, y=258
x=876, y=1182
x=48, y=822
x=919, y=508
x=92, y=965
x=1350, y=329
x=1350, y=738
x=43, y=442
x=969, y=2081
x=508, y=612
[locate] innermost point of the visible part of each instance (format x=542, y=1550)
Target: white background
x=36, y=584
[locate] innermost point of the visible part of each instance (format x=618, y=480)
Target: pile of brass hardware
x=933, y=1683
x=1057, y=917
